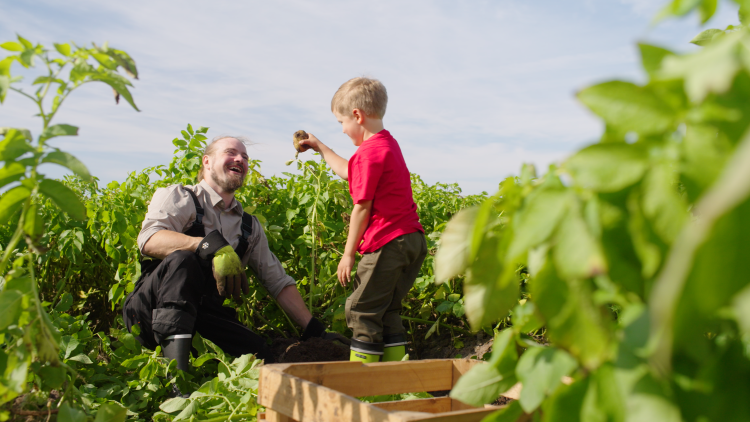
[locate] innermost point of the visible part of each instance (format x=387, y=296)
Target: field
x=622, y=270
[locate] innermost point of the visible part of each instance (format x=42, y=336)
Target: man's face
x=227, y=166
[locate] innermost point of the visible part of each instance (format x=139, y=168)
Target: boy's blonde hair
x=366, y=94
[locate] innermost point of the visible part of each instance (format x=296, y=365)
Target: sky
x=476, y=88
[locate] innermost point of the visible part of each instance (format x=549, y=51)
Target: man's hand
x=230, y=278
x=345, y=269
x=315, y=328
x=226, y=265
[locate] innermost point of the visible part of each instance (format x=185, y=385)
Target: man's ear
x=205, y=162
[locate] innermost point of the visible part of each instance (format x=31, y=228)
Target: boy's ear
x=358, y=115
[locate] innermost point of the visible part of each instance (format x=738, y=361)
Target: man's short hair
x=368, y=95
x=212, y=146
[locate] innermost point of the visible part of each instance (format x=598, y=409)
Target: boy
x=384, y=225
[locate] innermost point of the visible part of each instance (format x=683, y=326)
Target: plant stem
x=448, y=326
x=12, y=244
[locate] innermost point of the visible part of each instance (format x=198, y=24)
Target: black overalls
x=178, y=295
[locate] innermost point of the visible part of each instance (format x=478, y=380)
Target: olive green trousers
x=383, y=279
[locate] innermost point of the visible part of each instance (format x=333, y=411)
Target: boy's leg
x=378, y=273
x=414, y=247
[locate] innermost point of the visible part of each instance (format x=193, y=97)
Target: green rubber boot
x=394, y=349
x=366, y=352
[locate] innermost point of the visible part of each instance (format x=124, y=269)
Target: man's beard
x=228, y=183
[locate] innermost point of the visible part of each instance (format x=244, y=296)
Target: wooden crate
x=325, y=392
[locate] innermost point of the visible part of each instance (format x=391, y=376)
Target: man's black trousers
x=180, y=297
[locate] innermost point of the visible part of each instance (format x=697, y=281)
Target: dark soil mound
x=289, y=350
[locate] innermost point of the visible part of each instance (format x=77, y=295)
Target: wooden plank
x=430, y=405
x=358, y=379
x=274, y=416
x=472, y=415
x=459, y=405
x=305, y=401
x=462, y=366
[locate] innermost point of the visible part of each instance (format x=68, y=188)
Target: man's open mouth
x=235, y=169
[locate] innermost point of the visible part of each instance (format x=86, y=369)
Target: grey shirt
x=172, y=208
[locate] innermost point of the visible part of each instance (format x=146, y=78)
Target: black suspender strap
x=197, y=229
x=247, y=230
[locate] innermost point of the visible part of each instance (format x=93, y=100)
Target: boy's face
x=351, y=126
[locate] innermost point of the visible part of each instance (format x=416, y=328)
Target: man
x=197, y=232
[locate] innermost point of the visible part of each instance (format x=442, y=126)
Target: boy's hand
x=310, y=142
x=345, y=269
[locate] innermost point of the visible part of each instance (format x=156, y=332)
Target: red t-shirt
x=377, y=172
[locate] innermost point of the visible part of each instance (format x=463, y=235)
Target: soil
x=289, y=350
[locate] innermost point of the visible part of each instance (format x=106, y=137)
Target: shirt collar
x=216, y=199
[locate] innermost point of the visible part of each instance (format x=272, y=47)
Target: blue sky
x=475, y=88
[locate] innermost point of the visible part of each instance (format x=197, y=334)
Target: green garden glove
x=226, y=265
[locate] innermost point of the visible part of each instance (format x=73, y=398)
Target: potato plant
x=634, y=248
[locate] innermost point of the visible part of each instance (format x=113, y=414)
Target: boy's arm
x=357, y=225
x=338, y=164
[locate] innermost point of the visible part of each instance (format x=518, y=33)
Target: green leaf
x=111, y=413
x=607, y=167
x=204, y=358
x=11, y=173
x=70, y=162
x=574, y=322
x=63, y=49
x=130, y=342
x=604, y=400
x=710, y=70
x=52, y=377
x=174, y=404
x=118, y=83
x=4, y=87
x=33, y=223
x=535, y=221
x=26, y=43
x=12, y=46
x=705, y=37
x=566, y=403
x=483, y=383
x=740, y=304
x=510, y=413
x=491, y=288
x=14, y=145
x=58, y=130
x=69, y=345
x=11, y=201
x=652, y=57
x=11, y=304
x=81, y=358
x=64, y=198
x=662, y=203
x=66, y=300
x=188, y=411
x=540, y=370
x=69, y=414
x=577, y=254
x=526, y=318
x=629, y=107
x=452, y=256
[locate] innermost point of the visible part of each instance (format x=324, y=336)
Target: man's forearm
x=164, y=242
x=338, y=164
x=357, y=226
x=291, y=302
